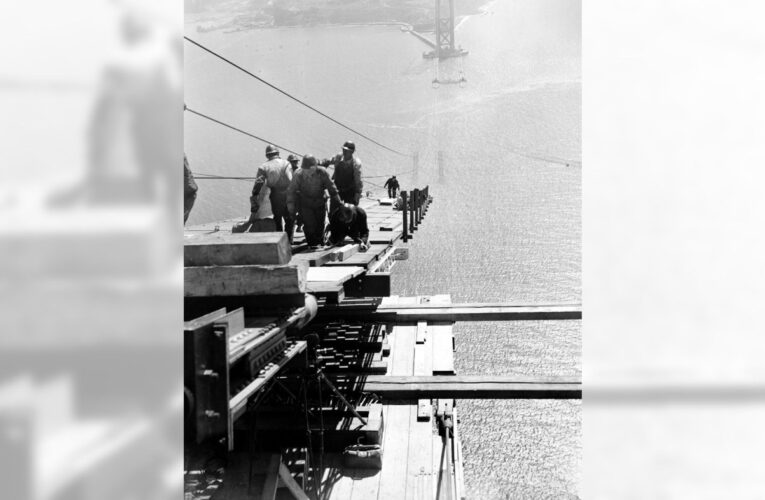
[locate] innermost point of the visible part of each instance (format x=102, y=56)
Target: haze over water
x=505, y=226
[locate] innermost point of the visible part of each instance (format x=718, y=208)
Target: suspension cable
x=293, y=97
x=205, y=176
x=186, y=108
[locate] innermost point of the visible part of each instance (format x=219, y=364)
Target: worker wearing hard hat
x=294, y=162
x=306, y=195
x=347, y=174
x=275, y=173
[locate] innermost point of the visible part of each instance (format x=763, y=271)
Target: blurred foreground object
x=90, y=371
x=190, y=189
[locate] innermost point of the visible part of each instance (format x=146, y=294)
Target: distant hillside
x=250, y=14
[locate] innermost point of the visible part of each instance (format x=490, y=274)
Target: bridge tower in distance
x=445, y=32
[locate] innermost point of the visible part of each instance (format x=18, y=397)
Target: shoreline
x=234, y=21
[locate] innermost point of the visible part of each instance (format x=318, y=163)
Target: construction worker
x=189, y=190
x=349, y=221
x=347, y=174
x=306, y=195
x=295, y=163
x=262, y=219
x=277, y=175
x=392, y=185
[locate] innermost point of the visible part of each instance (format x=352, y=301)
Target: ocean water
x=506, y=220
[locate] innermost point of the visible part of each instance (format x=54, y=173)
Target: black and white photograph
x=387, y=217
x=418, y=249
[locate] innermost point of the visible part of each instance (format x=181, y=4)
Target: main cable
x=293, y=97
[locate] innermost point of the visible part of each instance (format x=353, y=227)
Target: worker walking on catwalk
x=392, y=185
x=347, y=174
x=306, y=195
x=349, y=221
x=275, y=173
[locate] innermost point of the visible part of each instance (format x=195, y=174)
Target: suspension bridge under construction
x=306, y=377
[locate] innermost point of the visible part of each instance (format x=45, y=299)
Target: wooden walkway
x=330, y=269
x=414, y=458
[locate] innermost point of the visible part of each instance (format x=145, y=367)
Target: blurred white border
x=674, y=249
x=90, y=238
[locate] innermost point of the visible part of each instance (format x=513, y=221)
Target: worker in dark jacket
x=347, y=174
x=392, y=185
x=295, y=164
x=349, y=221
x=306, y=195
x=189, y=190
x=277, y=175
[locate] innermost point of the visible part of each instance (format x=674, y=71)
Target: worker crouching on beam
x=349, y=221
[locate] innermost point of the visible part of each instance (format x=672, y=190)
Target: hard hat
x=350, y=146
x=292, y=158
x=271, y=150
x=308, y=161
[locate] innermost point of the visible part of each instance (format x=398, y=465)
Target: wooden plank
x=484, y=312
x=437, y=448
x=443, y=349
x=413, y=313
x=471, y=387
x=344, y=252
x=323, y=287
x=420, y=459
x=405, y=340
x=226, y=249
x=333, y=274
x=445, y=407
x=421, y=330
x=363, y=259
x=423, y=366
x=393, y=477
x=407, y=301
x=314, y=258
x=441, y=299
x=387, y=237
x=424, y=410
x=216, y=281
x=289, y=482
x=423, y=360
